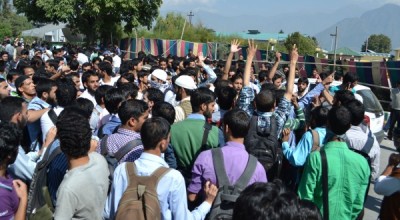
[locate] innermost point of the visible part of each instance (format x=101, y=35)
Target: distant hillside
x=352, y=32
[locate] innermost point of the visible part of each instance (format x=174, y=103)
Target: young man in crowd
x=90, y=81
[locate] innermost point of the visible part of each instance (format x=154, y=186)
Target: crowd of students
x=96, y=124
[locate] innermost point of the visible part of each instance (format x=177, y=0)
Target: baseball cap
x=186, y=82
x=160, y=74
x=20, y=80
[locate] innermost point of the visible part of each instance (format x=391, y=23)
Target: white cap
x=186, y=82
x=160, y=74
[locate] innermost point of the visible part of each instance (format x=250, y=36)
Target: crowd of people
x=94, y=136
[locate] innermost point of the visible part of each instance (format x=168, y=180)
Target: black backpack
x=39, y=201
x=227, y=195
x=114, y=159
x=263, y=143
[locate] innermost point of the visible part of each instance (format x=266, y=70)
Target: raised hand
x=285, y=135
x=252, y=49
x=294, y=54
x=235, y=46
x=201, y=57
x=278, y=57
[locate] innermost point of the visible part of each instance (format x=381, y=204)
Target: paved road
x=374, y=200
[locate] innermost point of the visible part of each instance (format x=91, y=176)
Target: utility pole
x=366, y=45
x=334, y=55
x=190, y=15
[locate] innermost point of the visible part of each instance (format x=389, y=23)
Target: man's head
x=29, y=71
x=105, y=69
x=235, y=124
x=86, y=66
x=143, y=77
x=164, y=110
x=46, y=90
x=339, y=120
x=226, y=97
x=302, y=84
x=265, y=101
x=12, y=76
x=277, y=80
x=137, y=64
x=51, y=66
x=74, y=65
x=237, y=81
x=9, y=143
x=25, y=87
x=184, y=87
x=155, y=134
x=163, y=63
x=14, y=110
x=152, y=96
x=357, y=111
x=4, y=89
x=90, y=81
x=133, y=113
x=113, y=99
x=101, y=93
x=341, y=97
x=66, y=92
x=74, y=132
x=319, y=116
x=4, y=56
x=350, y=80
x=203, y=102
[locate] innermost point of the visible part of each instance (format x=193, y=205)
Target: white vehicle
x=373, y=108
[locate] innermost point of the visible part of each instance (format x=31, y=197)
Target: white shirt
x=116, y=61
x=87, y=95
x=82, y=58
x=46, y=123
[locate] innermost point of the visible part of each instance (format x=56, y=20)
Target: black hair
x=107, y=67
x=350, y=78
x=53, y=63
x=319, y=116
x=270, y=200
x=237, y=121
x=9, y=142
x=12, y=73
x=277, y=76
x=86, y=106
x=73, y=65
x=324, y=75
x=164, y=110
x=153, y=131
x=154, y=95
x=236, y=76
x=302, y=80
x=262, y=75
x=338, y=76
x=268, y=86
x=226, y=97
x=101, y=93
x=86, y=64
x=86, y=75
x=95, y=60
x=339, y=120
x=44, y=85
x=113, y=99
x=309, y=211
x=108, y=58
x=9, y=106
x=143, y=73
x=265, y=100
x=2, y=80
x=131, y=109
x=342, y=97
x=66, y=92
x=130, y=90
x=357, y=111
x=128, y=76
x=74, y=132
x=201, y=96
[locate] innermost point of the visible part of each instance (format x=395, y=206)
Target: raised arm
x=234, y=48
x=275, y=66
x=294, y=56
x=251, y=52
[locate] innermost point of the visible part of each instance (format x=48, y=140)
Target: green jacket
x=348, y=174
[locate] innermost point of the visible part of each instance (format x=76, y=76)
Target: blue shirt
x=34, y=128
x=171, y=190
x=24, y=165
x=110, y=126
x=297, y=156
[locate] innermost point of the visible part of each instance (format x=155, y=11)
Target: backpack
x=140, y=199
x=264, y=145
x=39, y=202
x=228, y=193
x=100, y=132
x=114, y=159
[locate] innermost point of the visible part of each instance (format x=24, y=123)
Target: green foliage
x=93, y=18
x=378, y=43
x=11, y=24
x=305, y=45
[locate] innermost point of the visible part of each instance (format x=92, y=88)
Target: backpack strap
x=103, y=145
x=325, y=191
x=368, y=145
x=219, y=167
x=53, y=116
x=244, y=179
x=127, y=148
x=207, y=128
x=315, y=137
x=133, y=178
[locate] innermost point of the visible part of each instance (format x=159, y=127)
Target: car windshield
x=370, y=101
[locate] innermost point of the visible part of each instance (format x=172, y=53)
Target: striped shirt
x=119, y=139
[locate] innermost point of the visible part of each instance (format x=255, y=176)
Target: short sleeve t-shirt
x=9, y=200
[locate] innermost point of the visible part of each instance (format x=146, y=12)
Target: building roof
x=346, y=52
x=255, y=34
x=41, y=31
x=370, y=54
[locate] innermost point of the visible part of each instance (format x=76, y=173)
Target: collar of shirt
x=38, y=101
x=196, y=116
x=234, y=144
x=153, y=158
x=127, y=132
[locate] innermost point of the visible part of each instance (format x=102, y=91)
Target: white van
x=373, y=108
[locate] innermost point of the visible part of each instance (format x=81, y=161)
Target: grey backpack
x=224, y=202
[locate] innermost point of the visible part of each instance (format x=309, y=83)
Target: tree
x=11, y=24
x=377, y=43
x=305, y=45
x=90, y=17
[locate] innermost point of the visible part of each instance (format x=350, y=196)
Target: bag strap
x=103, y=145
x=207, y=128
x=368, y=145
x=47, y=157
x=53, y=116
x=219, y=167
x=325, y=195
x=244, y=179
x=127, y=148
x=315, y=137
x=133, y=178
